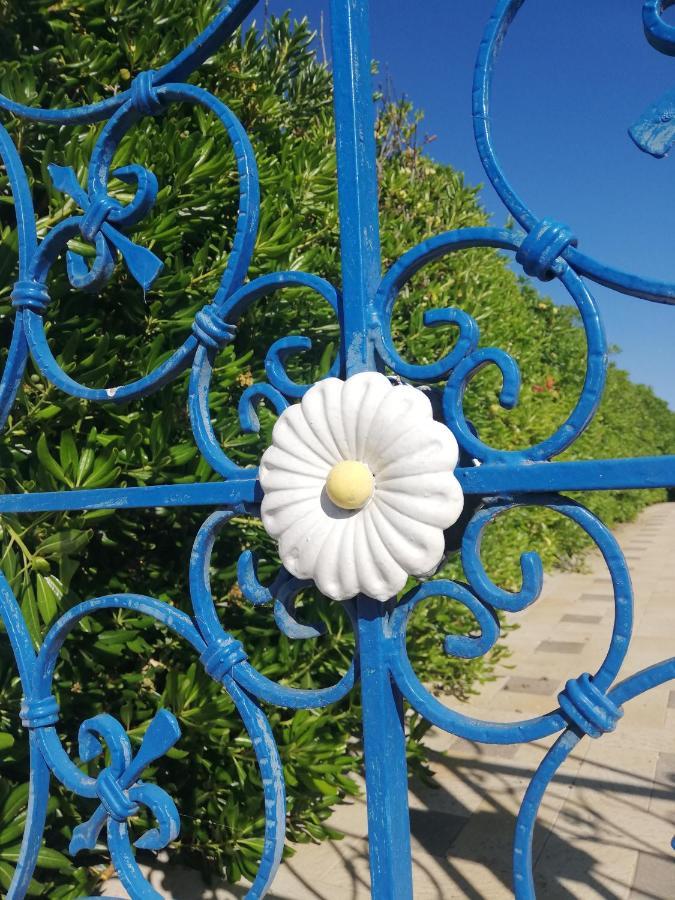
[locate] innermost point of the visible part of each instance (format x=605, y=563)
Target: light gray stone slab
x=572, y=647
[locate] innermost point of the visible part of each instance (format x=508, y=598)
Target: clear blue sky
x=572, y=78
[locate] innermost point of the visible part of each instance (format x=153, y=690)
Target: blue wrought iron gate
x=590, y=705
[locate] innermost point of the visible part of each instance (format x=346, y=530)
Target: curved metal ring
x=488, y=594
x=99, y=172
x=244, y=673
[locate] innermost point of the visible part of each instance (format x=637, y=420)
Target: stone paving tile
x=662, y=800
x=607, y=819
x=581, y=619
x=436, y=831
x=652, y=875
x=633, y=734
x=494, y=751
x=459, y=802
x=560, y=647
x=653, y=649
x=525, y=706
x=524, y=685
x=592, y=851
x=654, y=625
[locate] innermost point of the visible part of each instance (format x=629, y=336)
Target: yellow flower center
x=349, y=484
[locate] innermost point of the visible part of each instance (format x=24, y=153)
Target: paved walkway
x=606, y=823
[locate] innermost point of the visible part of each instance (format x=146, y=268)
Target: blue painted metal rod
x=357, y=181
x=585, y=475
x=213, y=493
x=486, y=481
x=383, y=726
x=385, y=759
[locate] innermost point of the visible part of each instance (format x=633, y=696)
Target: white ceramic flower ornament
x=359, y=486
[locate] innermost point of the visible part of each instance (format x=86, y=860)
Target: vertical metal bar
x=357, y=180
x=36, y=815
x=383, y=730
x=386, y=766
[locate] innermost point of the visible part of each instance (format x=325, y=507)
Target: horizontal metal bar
x=486, y=480
x=583, y=475
x=213, y=493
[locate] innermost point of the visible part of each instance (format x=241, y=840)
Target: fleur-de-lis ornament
x=103, y=216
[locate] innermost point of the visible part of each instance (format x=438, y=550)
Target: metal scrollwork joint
x=39, y=713
x=588, y=708
x=541, y=249
x=210, y=329
x=113, y=797
x=30, y=295
x=221, y=656
x=144, y=95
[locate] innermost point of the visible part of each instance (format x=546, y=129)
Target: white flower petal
x=402, y=410
x=282, y=480
x=275, y=458
x=322, y=406
x=347, y=575
x=275, y=499
x=300, y=544
x=331, y=576
x=427, y=447
x=292, y=433
x=380, y=575
x=436, y=499
x=362, y=394
x=279, y=513
x=416, y=546
x=274, y=479
x=323, y=411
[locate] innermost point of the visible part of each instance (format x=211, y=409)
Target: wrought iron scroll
x=590, y=705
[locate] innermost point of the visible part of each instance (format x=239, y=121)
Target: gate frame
x=590, y=705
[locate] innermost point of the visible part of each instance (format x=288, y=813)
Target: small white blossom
x=359, y=486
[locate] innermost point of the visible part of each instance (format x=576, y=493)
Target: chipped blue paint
x=499, y=480
x=654, y=132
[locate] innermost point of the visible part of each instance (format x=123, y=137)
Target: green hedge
x=80, y=51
